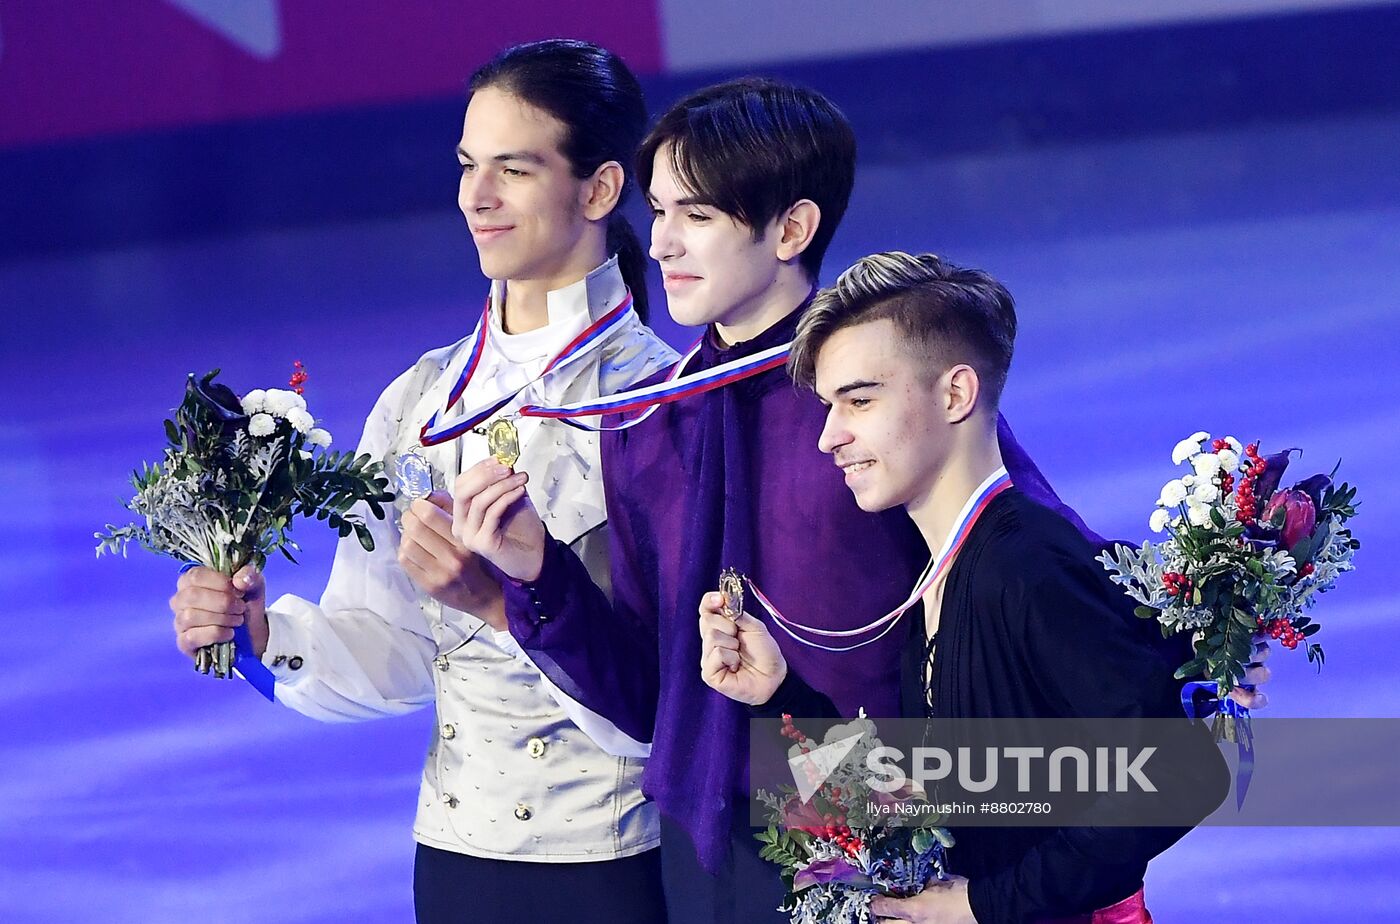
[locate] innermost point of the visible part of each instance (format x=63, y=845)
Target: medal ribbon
x=594, y=336
x=995, y=484
x=675, y=387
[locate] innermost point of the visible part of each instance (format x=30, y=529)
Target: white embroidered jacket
x=510, y=771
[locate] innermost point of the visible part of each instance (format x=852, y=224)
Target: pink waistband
x=1130, y=910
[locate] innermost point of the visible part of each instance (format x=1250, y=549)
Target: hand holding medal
x=492, y=517
x=739, y=657
x=731, y=587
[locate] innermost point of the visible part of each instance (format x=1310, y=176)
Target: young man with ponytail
x=522, y=817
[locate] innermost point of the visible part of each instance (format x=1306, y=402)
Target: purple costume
x=730, y=478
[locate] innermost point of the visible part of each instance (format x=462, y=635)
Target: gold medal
x=731, y=586
x=503, y=442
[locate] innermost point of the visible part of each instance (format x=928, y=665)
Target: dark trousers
x=453, y=888
x=747, y=889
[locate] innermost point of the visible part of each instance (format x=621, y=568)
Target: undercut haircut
x=945, y=315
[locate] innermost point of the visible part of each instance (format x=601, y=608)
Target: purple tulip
x=835, y=869
x=1269, y=481
x=1299, y=516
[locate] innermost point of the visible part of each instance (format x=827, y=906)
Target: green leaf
x=1146, y=612
x=1191, y=668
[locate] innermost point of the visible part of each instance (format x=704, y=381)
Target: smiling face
x=714, y=270
x=518, y=193
x=885, y=427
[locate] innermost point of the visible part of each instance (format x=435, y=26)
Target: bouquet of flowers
x=845, y=843
x=1241, y=556
x=234, y=474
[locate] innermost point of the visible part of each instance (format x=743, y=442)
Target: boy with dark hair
x=718, y=141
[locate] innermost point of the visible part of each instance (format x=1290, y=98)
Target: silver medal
x=412, y=475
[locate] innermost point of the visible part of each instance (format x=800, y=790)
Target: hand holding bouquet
x=234, y=475
x=1241, y=556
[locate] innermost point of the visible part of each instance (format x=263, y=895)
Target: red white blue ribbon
x=675, y=387
x=938, y=565
x=594, y=336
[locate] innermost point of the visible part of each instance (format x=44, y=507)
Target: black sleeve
x=795, y=697
x=1089, y=657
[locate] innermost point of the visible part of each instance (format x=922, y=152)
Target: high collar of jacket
x=570, y=308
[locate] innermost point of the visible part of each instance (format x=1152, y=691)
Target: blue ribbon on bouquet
x=248, y=665
x=1203, y=707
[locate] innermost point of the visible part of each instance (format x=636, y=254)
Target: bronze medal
x=731, y=586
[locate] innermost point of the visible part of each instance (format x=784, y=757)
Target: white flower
x=279, y=401
x=1207, y=466
x=261, y=425
x=301, y=420
x=1205, y=492
x=1234, y=445
x=1173, y=493
x=297, y=400
x=253, y=401
x=1197, y=514
x=1188, y=480
x=319, y=437
x=1229, y=460
x=1189, y=447
x=1160, y=519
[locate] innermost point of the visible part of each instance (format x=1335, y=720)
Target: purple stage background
x=1226, y=259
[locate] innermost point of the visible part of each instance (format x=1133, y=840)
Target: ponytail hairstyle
x=599, y=102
